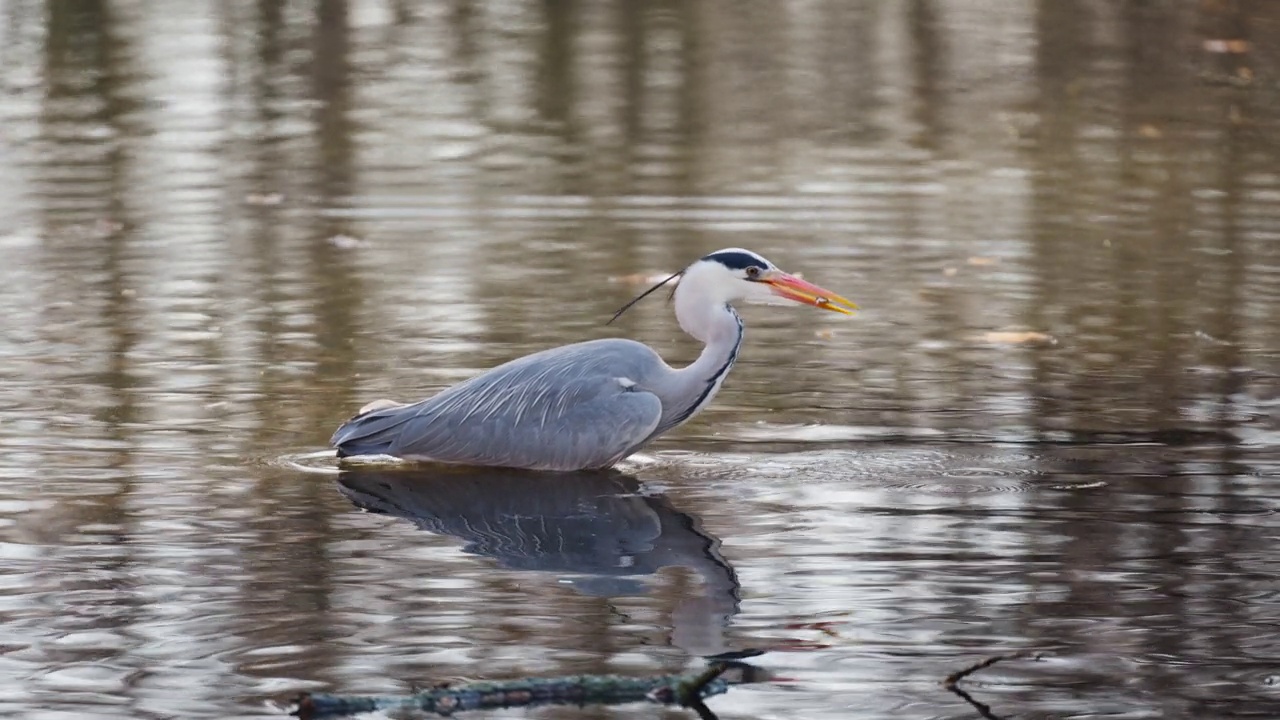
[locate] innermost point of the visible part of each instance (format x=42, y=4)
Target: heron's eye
x=753, y=272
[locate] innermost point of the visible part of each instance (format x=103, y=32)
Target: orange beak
x=793, y=288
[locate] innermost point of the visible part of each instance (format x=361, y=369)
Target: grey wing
x=567, y=410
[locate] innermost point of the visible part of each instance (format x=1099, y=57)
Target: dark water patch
x=1053, y=424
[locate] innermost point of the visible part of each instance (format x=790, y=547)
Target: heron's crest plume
x=642, y=296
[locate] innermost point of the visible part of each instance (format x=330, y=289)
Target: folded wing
x=570, y=408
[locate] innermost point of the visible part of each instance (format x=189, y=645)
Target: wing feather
x=563, y=409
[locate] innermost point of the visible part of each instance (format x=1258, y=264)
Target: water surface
x=1055, y=425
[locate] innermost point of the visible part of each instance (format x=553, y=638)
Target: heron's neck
x=719, y=327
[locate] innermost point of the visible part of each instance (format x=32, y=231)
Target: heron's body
x=580, y=406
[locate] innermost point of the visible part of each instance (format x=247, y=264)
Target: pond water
x=1054, y=427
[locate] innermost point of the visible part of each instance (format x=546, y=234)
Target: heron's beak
x=793, y=288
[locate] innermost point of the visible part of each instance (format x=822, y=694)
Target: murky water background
x=1055, y=426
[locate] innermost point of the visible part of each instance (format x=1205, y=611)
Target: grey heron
x=590, y=404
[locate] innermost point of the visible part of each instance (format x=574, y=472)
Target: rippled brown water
x=1055, y=425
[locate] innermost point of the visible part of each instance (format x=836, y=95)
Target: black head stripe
x=738, y=259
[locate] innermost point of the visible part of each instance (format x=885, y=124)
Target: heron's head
x=734, y=274
x=737, y=274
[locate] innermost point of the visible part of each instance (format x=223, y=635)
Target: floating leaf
x=1014, y=337
x=264, y=198
x=1234, y=46
x=347, y=242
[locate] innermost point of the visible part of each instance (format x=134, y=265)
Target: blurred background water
x=1055, y=425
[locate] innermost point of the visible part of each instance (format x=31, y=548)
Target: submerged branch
x=952, y=681
x=687, y=690
x=693, y=692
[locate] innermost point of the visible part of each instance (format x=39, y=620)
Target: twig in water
x=447, y=699
x=952, y=681
x=957, y=676
x=690, y=694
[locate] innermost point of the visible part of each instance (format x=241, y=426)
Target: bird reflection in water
x=598, y=529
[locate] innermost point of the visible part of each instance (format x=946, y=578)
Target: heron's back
x=577, y=406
